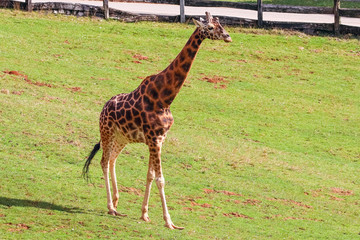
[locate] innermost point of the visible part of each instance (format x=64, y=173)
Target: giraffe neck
x=160, y=90
x=178, y=70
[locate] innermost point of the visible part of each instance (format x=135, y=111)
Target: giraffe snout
x=227, y=38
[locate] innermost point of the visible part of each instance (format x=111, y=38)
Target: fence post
x=336, y=16
x=260, y=13
x=106, y=8
x=28, y=4
x=182, y=11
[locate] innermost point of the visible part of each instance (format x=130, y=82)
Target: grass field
x=265, y=142
x=315, y=3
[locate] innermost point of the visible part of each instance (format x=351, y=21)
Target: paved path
x=173, y=10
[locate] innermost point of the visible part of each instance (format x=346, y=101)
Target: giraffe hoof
x=178, y=228
x=145, y=218
x=172, y=226
x=115, y=213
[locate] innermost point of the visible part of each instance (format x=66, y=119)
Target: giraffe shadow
x=10, y=202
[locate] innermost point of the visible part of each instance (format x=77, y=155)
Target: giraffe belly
x=137, y=137
x=121, y=137
x=134, y=136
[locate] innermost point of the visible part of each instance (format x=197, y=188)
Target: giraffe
x=143, y=116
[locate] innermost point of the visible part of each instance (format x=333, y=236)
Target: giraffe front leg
x=145, y=206
x=155, y=161
x=160, y=182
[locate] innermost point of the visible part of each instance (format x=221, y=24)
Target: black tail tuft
x=88, y=161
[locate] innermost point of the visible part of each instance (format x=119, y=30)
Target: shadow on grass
x=9, y=202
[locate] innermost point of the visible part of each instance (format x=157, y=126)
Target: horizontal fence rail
x=106, y=12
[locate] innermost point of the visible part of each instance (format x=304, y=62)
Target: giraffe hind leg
x=106, y=163
x=116, y=149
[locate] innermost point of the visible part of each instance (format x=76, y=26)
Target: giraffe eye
x=210, y=27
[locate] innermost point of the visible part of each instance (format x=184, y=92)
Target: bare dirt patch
x=204, y=205
x=140, y=57
x=333, y=191
x=278, y=216
x=316, y=50
x=336, y=198
x=300, y=218
x=130, y=190
x=51, y=98
x=17, y=227
x=57, y=55
x=237, y=215
x=17, y=92
x=103, y=79
x=39, y=84
x=55, y=229
x=5, y=91
x=208, y=191
x=188, y=209
x=353, y=53
x=74, y=89
x=25, y=77
x=252, y=202
x=194, y=203
x=230, y=193
x=314, y=193
x=342, y=192
x=242, y=60
x=290, y=202
x=219, y=82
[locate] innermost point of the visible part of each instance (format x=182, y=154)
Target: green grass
x=273, y=154
x=315, y=3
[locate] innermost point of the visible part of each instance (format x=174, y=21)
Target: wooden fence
x=260, y=8
x=336, y=27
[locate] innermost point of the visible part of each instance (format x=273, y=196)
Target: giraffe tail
x=88, y=161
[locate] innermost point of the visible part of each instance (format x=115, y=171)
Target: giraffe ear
x=209, y=18
x=197, y=23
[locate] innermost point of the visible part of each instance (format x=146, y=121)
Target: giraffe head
x=212, y=29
